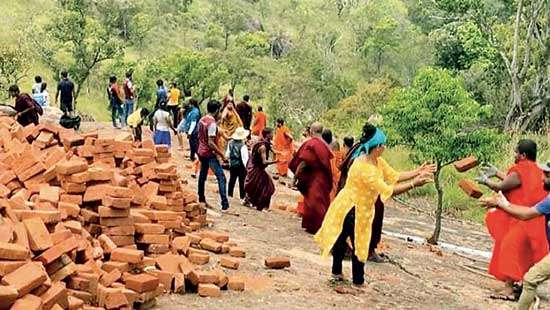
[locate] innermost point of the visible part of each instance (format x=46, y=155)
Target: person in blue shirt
x=540, y=272
x=162, y=93
x=189, y=126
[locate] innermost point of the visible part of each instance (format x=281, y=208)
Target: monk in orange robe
x=260, y=122
x=335, y=165
x=313, y=178
x=283, y=147
x=518, y=244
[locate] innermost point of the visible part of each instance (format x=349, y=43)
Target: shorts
x=66, y=107
x=162, y=137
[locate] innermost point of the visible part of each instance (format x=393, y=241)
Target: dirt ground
x=419, y=277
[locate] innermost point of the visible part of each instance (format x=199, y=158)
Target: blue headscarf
x=379, y=138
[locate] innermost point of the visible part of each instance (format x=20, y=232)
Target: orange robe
x=518, y=244
x=335, y=165
x=260, y=123
x=284, y=148
x=229, y=124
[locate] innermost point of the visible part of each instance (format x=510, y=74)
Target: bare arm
x=424, y=168
x=213, y=146
x=263, y=155
x=519, y=212
x=508, y=183
x=418, y=181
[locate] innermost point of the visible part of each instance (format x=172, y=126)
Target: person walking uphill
x=244, y=109
x=115, y=102
x=258, y=185
x=284, y=147
x=66, y=94
x=260, y=121
x=190, y=127
x=313, y=178
x=209, y=151
x=237, y=152
x=352, y=212
x=129, y=95
x=27, y=109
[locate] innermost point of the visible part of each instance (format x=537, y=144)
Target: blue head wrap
x=379, y=138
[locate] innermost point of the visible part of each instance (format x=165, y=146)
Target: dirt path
x=421, y=278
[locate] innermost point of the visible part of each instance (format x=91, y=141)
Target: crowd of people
x=343, y=183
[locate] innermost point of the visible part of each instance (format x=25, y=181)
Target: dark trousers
x=117, y=113
x=377, y=224
x=238, y=172
x=340, y=247
x=194, y=144
x=137, y=132
x=174, y=109
x=212, y=162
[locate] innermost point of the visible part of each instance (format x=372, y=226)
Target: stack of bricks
x=90, y=220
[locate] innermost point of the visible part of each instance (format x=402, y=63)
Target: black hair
x=280, y=121
x=267, y=131
x=369, y=131
x=260, y=109
x=14, y=88
x=528, y=148
x=43, y=87
x=246, y=98
x=112, y=79
x=38, y=79
x=213, y=106
x=129, y=74
x=193, y=102
x=348, y=141
x=160, y=82
x=144, y=112
x=327, y=135
x=174, y=84
x=64, y=74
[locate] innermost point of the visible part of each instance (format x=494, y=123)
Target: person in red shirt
x=518, y=244
x=129, y=95
x=25, y=107
x=115, y=101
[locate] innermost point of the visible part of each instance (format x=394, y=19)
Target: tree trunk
x=438, y=212
x=226, y=40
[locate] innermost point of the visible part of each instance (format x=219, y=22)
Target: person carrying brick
x=25, y=106
x=209, y=152
x=540, y=272
x=518, y=244
x=352, y=212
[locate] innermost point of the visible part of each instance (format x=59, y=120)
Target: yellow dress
x=364, y=184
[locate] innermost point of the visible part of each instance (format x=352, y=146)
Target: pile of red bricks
x=94, y=221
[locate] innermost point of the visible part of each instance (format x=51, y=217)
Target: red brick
x=71, y=166
x=81, y=177
x=75, y=303
x=209, y=290
x=236, y=283
x=470, y=188
x=100, y=173
x=60, y=236
x=7, y=176
x=123, y=241
x=119, y=203
x=170, y=262
x=112, y=212
x=8, y=295
x=39, y=237
x=277, y=262
x=158, y=202
x=106, y=243
x=53, y=253
x=127, y=255
x=179, y=283
x=64, y=272
x=230, y=262
x=89, y=216
x=74, y=226
x=28, y=302
x=9, y=266
x=142, y=283
x=115, y=299
x=73, y=188
x=46, y=216
x=26, y=278
x=116, y=221
x=236, y=251
x=211, y=245
x=31, y=172
x=85, y=296
x=95, y=192
x=119, y=231
x=199, y=259
x=157, y=248
x=56, y=294
x=466, y=164
x=145, y=228
x=121, y=266
x=71, y=209
x=150, y=239
x=108, y=279
x=181, y=244
x=120, y=192
x=73, y=199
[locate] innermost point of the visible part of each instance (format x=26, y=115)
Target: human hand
x=495, y=201
x=482, y=179
x=427, y=168
x=489, y=170
x=423, y=179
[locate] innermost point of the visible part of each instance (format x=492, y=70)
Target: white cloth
x=244, y=154
x=36, y=88
x=163, y=120
x=212, y=130
x=192, y=127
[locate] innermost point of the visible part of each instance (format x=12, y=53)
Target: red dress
x=518, y=244
x=315, y=182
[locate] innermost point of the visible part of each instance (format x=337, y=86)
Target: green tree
x=14, y=65
x=437, y=119
x=232, y=18
x=75, y=39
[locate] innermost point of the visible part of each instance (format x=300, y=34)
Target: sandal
x=337, y=277
x=378, y=258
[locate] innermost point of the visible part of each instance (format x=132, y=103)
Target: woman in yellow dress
x=370, y=176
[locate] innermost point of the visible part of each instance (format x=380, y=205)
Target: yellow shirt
x=134, y=119
x=364, y=184
x=174, y=96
